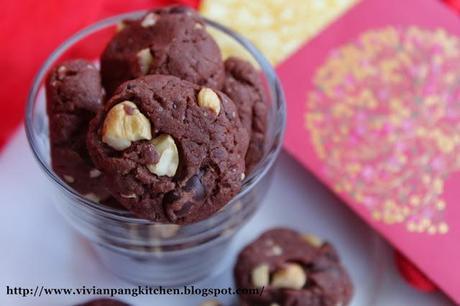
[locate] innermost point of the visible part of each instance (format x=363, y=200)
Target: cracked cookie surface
x=74, y=95
x=169, y=41
x=244, y=86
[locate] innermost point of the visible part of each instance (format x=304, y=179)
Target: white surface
x=39, y=248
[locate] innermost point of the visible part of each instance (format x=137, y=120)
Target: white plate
x=39, y=248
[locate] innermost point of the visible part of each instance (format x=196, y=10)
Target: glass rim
x=277, y=98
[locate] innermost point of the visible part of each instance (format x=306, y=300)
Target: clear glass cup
x=138, y=250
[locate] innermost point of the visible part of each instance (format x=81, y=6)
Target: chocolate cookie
x=243, y=85
x=170, y=41
x=74, y=94
x=172, y=151
x=294, y=269
x=104, y=302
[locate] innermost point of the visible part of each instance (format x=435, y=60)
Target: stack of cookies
x=166, y=129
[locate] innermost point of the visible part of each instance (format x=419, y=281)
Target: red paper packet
x=372, y=112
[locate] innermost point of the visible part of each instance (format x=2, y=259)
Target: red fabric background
x=30, y=30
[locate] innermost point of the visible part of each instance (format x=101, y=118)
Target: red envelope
x=374, y=113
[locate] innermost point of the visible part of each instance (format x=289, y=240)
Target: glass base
x=171, y=269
